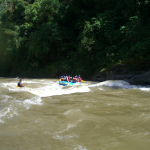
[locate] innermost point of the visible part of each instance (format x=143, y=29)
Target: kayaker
x=20, y=83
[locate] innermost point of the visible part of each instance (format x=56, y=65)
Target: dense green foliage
x=47, y=38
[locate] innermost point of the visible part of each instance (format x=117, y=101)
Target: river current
x=110, y=115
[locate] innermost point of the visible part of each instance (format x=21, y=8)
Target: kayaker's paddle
x=82, y=81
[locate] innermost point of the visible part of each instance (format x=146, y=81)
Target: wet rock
x=125, y=77
x=143, y=79
x=99, y=78
x=121, y=72
x=117, y=72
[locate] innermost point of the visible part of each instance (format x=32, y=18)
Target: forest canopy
x=49, y=38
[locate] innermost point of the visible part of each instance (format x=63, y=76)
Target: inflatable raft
x=65, y=83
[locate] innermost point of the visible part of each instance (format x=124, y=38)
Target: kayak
x=65, y=83
x=18, y=87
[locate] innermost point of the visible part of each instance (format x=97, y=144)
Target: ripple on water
x=71, y=111
x=7, y=112
x=80, y=148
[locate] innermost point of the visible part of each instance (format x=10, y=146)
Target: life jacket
x=68, y=78
x=79, y=79
x=74, y=80
x=19, y=84
x=62, y=79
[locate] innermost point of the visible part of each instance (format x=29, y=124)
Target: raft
x=65, y=83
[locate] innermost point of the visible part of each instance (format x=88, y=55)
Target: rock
x=137, y=72
x=118, y=69
x=120, y=77
x=101, y=79
x=143, y=79
x=121, y=72
x=115, y=73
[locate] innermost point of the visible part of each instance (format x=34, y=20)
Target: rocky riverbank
x=121, y=72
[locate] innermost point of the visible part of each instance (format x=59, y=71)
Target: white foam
x=5, y=98
x=145, y=89
x=69, y=126
x=80, y=148
x=30, y=81
x=4, y=112
x=9, y=84
x=12, y=87
x=33, y=101
x=7, y=112
x=100, y=89
x=46, y=88
x=113, y=83
x=55, y=89
x=71, y=111
x=116, y=83
x=60, y=137
x=1, y=121
x=73, y=124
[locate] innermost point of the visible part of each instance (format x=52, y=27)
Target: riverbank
x=134, y=72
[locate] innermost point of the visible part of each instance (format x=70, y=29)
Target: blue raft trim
x=65, y=83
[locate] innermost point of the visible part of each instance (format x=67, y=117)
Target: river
x=110, y=115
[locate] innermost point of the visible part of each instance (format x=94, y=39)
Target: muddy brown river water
x=111, y=115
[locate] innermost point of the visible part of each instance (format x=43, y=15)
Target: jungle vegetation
x=49, y=38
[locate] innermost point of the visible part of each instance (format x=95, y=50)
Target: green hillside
x=49, y=38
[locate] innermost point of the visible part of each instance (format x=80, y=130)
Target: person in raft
x=20, y=83
x=69, y=78
x=79, y=78
x=75, y=79
x=62, y=79
x=66, y=78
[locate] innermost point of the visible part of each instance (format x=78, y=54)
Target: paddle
x=82, y=81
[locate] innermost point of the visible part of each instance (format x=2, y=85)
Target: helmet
x=61, y=76
x=75, y=76
x=79, y=75
x=69, y=76
x=64, y=76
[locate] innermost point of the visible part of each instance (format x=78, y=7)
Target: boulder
x=143, y=79
x=116, y=72
x=121, y=72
